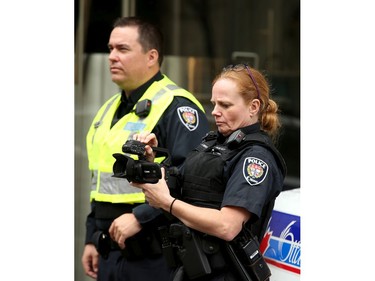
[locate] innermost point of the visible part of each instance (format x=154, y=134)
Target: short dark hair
x=150, y=36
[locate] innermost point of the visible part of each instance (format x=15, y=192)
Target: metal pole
x=128, y=8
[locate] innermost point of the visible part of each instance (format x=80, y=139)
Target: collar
x=237, y=136
x=138, y=93
x=254, y=128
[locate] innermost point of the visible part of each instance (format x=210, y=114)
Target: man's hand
x=90, y=260
x=124, y=227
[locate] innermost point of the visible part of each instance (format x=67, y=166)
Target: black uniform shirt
x=254, y=178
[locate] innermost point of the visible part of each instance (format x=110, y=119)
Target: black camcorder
x=140, y=170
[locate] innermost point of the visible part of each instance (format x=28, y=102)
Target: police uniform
x=179, y=122
x=243, y=170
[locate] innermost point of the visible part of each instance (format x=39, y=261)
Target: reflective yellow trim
x=121, y=198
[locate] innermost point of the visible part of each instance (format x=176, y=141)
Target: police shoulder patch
x=189, y=117
x=254, y=170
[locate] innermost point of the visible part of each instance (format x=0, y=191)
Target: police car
x=281, y=244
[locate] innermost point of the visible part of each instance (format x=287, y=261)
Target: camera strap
x=160, y=152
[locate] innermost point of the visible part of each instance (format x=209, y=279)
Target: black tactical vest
x=204, y=185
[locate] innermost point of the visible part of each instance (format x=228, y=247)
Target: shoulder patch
x=254, y=170
x=189, y=117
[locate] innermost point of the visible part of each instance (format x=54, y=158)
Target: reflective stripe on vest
x=103, y=141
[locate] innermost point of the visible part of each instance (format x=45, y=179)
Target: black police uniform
x=232, y=172
x=144, y=262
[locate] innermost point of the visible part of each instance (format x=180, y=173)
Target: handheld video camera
x=140, y=170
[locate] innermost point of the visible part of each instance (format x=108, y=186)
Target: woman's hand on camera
x=150, y=140
x=157, y=195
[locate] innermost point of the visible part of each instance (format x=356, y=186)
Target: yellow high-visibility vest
x=102, y=141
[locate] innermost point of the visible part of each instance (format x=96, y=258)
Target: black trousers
x=146, y=269
x=117, y=268
x=107, y=267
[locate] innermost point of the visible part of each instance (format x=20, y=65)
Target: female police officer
x=228, y=183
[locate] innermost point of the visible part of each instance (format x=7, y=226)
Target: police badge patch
x=254, y=170
x=189, y=117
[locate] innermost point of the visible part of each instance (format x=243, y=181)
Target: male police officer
x=149, y=101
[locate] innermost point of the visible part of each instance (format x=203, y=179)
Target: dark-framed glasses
x=242, y=66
